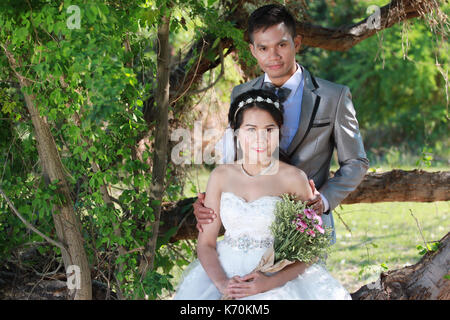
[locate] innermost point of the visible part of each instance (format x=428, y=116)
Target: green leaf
x=20, y=35
x=216, y=42
x=50, y=23
x=77, y=150
x=91, y=13
x=155, y=203
x=434, y=246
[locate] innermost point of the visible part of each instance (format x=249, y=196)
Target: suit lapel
x=309, y=99
x=258, y=83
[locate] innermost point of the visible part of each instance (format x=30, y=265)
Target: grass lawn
x=382, y=233
x=372, y=238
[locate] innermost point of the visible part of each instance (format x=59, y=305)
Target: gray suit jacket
x=327, y=121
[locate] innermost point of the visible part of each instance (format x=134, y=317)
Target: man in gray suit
x=318, y=115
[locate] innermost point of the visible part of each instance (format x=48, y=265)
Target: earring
x=238, y=154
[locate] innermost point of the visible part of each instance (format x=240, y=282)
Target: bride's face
x=258, y=136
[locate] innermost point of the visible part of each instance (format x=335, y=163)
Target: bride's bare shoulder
x=290, y=172
x=223, y=170
x=295, y=181
x=220, y=177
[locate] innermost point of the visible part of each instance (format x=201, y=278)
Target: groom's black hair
x=267, y=16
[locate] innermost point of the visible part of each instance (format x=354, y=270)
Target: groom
x=318, y=115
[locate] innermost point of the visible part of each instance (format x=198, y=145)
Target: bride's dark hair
x=235, y=119
x=236, y=113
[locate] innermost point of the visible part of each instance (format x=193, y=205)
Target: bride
x=244, y=195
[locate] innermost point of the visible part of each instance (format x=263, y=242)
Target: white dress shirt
x=292, y=107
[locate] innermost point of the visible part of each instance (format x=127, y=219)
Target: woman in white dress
x=244, y=195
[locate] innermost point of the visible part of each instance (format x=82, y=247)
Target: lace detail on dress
x=242, y=218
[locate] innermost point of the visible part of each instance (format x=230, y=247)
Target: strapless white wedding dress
x=247, y=237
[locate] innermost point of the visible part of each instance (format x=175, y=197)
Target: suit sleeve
x=353, y=162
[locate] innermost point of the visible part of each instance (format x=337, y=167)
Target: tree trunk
x=426, y=280
x=395, y=185
x=399, y=185
x=68, y=227
x=161, y=142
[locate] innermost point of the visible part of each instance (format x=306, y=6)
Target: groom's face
x=274, y=49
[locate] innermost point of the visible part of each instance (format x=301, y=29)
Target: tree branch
x=30, y=226
x=222, y=72
x=346, y=37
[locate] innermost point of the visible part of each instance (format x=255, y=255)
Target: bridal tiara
x=257, y=99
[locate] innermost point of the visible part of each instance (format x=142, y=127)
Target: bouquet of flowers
x=298, y=235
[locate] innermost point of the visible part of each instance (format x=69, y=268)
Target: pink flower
x=311, y=233
x=300, y=229
x=310, y=213
x=318, y=218
x=301, y=224
x=320, y=229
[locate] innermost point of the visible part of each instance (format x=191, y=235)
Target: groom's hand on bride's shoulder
x=202, y=214
x=316, y=202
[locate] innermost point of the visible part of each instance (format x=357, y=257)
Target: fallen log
x=426, y=280
x=395, y=185
x=403, y=186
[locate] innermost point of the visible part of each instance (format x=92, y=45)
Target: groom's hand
x=316, y=202
x=202, y=214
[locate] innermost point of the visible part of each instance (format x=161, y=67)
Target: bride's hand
x=224, y=285
x=248, y=285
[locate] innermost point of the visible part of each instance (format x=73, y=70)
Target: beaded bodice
x=247, y=223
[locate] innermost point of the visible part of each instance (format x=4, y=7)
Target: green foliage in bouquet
x=298, y=232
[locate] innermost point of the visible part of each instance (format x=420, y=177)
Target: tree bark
x=403, y=186
x=395, y=185
x=423, y=281
x=68, y=227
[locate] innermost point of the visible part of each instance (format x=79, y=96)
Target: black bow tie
x=282, y=93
